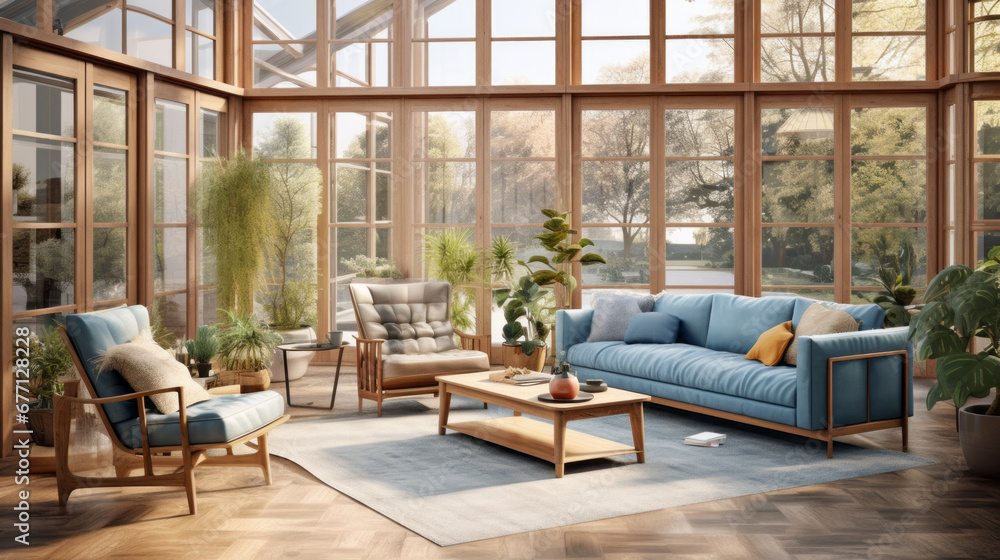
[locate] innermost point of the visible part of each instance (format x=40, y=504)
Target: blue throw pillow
x=653, y=328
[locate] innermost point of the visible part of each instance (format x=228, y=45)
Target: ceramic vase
x=564, y=385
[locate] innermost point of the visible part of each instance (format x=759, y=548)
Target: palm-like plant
x=962, y=304
x=246, y=343
x=894, y=276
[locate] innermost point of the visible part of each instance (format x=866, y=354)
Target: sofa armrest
x=855, y=381
x=572, y=327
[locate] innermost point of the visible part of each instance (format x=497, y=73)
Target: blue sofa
x=705, y=370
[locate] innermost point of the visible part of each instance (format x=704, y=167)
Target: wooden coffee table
x=551, y=442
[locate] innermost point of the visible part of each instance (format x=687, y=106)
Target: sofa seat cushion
x=415, y=370
x=693, y=366
x=220, y=419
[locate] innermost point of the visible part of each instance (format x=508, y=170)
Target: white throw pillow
x=147, y=367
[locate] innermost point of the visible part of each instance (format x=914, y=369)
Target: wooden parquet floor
x=937, y=511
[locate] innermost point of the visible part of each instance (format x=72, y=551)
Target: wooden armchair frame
x=369, y=363
x=126, y=459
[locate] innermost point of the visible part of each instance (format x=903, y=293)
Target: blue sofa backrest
x=694, y=313
x=91, y=335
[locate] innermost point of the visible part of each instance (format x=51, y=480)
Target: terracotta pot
x=980, y=438
x=564, y=386
x=513, y=356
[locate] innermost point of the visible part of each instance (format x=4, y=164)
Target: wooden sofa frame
x=827, y=434
x=126, y=459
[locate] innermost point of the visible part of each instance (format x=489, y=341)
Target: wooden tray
x=582, y=397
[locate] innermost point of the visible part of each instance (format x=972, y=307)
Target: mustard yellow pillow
x=770, y=347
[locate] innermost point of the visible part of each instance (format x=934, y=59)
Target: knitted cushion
x=612, y=313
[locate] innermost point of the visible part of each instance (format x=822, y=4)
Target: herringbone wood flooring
x=937, y=511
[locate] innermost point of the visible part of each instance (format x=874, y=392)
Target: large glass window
x=523, y=42
x=147, y=31
x=361, y=35
x=111, y=195
x=984, y=27
x=797, y=40
x=701, y=41
x=986, y=171
x=170, y=216
x=889, y=40
x=284, y=43
x=797, y=200
x=444, y=43
x=200, y=38
x=615, y=41
x=700, y=199
x=614, y=145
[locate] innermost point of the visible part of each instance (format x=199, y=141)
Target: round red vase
x=564, y=386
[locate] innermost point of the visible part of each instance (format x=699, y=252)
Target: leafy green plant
x=894, y=276
x=521, y=302
x=236, y=215
x=452, y=257
x=49, y=360
x=205, y=346
x=557, y=240
x=961, y=304
x=364, y=266
x=245, y=343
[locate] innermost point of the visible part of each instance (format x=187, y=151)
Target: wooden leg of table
x=559, y=447
x=517, y=413
x=444, y=406
x=638, y=432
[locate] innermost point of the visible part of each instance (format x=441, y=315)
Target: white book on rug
x=705, y=438
x=712, y=444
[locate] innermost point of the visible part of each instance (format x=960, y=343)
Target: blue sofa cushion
x=221, y=419
x=870, y=315
x=692, y=366
x=612, y=313
x=737, y=321
x=652, y=328
x=694, y=313
x=94, y=333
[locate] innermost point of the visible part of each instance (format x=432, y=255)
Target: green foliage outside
x=245, y=342
x=237, y=220
x=288, y=291
x=49, y=360
x=368, y=267
x=962, y=304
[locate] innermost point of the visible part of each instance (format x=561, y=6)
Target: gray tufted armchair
x=406, y=339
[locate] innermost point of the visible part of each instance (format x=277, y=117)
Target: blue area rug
x=453, y=489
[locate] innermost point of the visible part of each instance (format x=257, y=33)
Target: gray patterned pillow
x=612, y=313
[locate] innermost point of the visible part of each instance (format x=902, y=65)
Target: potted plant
x=48, y=361
x=894, y=276
x=288, y=291
x=557, y=240
x=452, y=257
x=246, y=346
x=525, y=333
x=203, y=348
x=236, y=217
x=961, y=305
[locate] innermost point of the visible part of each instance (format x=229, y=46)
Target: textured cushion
x=147, y=367
x=770, y=347
x=412, y=318
x=612, y=313
x=93, y=333
x=220, y=419
x=738, y=321
x=819, y=319
x=870, y=315
x=694, y=312
x=652, y=328
x=416, y=370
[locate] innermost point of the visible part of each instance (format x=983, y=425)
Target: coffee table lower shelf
x=538, y=439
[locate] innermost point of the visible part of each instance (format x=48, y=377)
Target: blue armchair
x=140, y=435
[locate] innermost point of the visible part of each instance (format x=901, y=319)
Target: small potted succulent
x=203, y=348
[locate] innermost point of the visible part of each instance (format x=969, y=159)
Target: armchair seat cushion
x=416, y=370
x=222, y=418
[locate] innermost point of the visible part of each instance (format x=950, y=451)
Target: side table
x=312, y=347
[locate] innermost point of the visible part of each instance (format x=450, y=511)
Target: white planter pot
x=298, y=362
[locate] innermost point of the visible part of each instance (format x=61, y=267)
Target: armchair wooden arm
x=479, y=342
x=369, y=364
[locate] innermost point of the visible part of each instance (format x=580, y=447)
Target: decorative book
x=706, y=439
